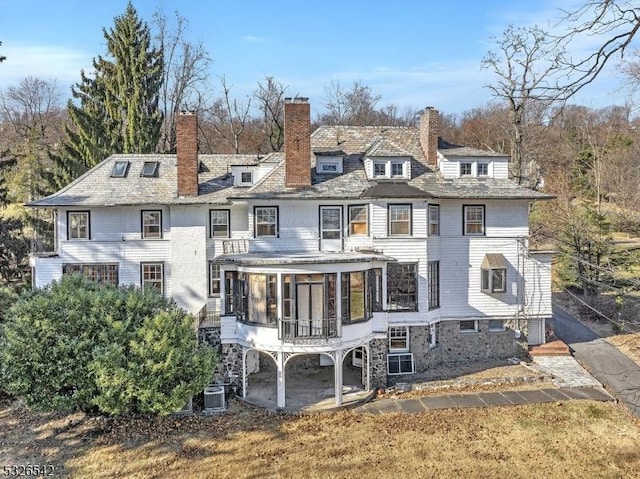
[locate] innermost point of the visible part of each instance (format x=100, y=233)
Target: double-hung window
x=379, y=169
x=151, y=224
x=474, y=220
x=434, y=220
x=214, y=279
x=266, y=221
x=152, y=276
x=78, y=225
x=483, y=169
x=397, y=169
x=398, y=339
x=465, y=169
x=219, y=220
x=399, y=220
x=358, y=220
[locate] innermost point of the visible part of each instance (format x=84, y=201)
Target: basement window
x=150, y=169
x=120, y=169
x=400, y=364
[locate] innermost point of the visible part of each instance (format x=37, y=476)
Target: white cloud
x=252, y=39
x=42, y=61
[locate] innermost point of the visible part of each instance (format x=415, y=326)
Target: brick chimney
x=187, y=149
x=429, y=136
x=297, y=142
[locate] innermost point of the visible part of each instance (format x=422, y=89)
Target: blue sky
x=412, y=52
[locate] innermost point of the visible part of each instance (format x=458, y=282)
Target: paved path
x=484, y=399
x=565, y=371
x=604, y=361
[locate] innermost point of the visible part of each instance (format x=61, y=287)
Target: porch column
x=337, y=369
x=280, y=399
x=244, y=372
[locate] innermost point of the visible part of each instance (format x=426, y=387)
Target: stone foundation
x=378, y=353
x=231, y=366
x=475, y=346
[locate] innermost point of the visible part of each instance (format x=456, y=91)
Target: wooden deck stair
x=554, y=347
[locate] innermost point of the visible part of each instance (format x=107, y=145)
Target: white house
x=378, y=248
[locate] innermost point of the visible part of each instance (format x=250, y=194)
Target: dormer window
x=329, y=164
x=149, y=169
x=246, y=177
x=465, y=169
x=483, y=169
x=391, y=168
x=397, y=169
x=120, y=169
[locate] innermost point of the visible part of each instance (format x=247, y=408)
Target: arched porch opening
x=261, y=378
x=309, y=380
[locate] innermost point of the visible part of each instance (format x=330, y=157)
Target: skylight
x=150, y=169
x=120, y=169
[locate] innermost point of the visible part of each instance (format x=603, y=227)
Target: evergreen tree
x=117, y=107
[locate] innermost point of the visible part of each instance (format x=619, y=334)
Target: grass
x=573, y=439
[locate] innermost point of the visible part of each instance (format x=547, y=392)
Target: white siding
x=506, y=218
x=189, y=256
x=501, y=168
x=537, y=286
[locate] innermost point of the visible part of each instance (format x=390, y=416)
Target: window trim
x=255, y=222
x=152, y=263
x=433, y=288
x=83, y=212
x=211, y=279
x=430, y=222
x=395, y=309
x=142, y=225
x=490, y=285
x=433, y=335
x=380, y=163
x=243, y=181
x=465, y=224
x=350, y=221
x=124, y=172
x=405, y=337
x=400, y=372
x=470, y=163
x=401, y=164
x=469, y=331
x=100, y=271
x=410, y=221
x=228, y=234
x=485, y=164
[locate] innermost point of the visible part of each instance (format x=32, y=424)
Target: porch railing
x=308, y=330
x=208, y=319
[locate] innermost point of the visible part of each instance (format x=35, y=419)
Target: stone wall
x=475, y=346
x=231, y=366
x=378, y=353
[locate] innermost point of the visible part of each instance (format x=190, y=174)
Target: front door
x=331, y=228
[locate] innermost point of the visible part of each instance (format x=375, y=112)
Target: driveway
x=605, y=362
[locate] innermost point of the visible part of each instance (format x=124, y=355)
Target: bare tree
x=229, y=117
x=2, y=57
x=524, y=65
x=270, y=98
x=33, y=121
x=185, y=73
x=616, y=22
x=356, y=106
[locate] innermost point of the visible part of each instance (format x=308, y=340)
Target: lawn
x=572, y=439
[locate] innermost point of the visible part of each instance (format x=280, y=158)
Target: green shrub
x=80, y=345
